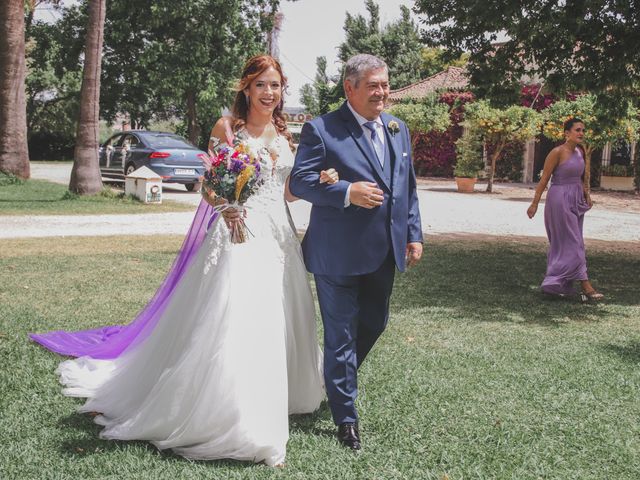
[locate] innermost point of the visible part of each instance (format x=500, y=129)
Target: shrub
x=469, y=154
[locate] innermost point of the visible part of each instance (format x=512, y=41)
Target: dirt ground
x=628, y=202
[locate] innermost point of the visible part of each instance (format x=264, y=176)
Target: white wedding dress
x=233, y=354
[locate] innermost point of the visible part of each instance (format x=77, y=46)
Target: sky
x=314, y=28
x=311, y=28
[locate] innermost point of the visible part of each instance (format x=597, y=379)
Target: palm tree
x=14, y=153
x=85, y=175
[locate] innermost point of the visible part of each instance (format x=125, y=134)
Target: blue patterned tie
x=376, y=140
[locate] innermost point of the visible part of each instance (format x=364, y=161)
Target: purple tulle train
x=110, y=341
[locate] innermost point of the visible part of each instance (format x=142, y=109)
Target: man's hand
x=413, y=253
x=366, y=195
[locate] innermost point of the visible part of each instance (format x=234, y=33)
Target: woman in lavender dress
x=567, y=201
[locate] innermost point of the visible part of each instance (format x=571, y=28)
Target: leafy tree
x=308, y=99
x=434, y=60
x=85, y=174
x=499, y=127
x=426, y=115
x=317, y=97
x=14, y=155
x=52, y=88
x=398, y=43
x=602, y=126
x=129, y=84
x=180, y=59
x=434, y=153
x=633, y=132
x=402, y=50
x=164, y=60
x=590, y=45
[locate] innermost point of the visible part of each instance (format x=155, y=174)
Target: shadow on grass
x=309, y=423
x=486, y=281
x=629, y=353
x=31, y=200
x=91, y=444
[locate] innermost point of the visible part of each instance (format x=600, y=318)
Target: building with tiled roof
x=453, y=78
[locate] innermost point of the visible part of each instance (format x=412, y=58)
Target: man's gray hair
x=359, y=64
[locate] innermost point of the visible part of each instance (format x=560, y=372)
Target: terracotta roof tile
x=453, y=78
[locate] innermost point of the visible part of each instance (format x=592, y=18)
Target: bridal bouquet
x=232, y=175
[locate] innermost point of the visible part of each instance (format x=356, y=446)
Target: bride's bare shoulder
x=223, y=127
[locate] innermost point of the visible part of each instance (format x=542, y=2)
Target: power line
x=296, y=67
x=53, y=12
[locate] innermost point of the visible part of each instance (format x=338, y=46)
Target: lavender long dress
x=563, y=218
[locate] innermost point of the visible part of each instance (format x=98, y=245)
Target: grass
x=478, y=376
x=68, y=161
x=39, y=197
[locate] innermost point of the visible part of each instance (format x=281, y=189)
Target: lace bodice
x=275, y=173
x=267, y=214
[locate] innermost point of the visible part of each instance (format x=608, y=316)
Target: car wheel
x=130, y=168
x=193, y=187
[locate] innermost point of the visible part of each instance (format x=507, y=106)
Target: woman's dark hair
x=568, y=125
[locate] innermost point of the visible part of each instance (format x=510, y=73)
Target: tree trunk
x=587, y=168
x=274, y=35
x=192, y=118
x=85, y=175
x=14, y=152
x=492, y=171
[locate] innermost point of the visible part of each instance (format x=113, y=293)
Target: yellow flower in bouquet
x=243, y=177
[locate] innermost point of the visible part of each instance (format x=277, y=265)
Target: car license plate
x=185, y=171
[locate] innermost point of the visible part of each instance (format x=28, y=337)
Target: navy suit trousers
x=355, y=311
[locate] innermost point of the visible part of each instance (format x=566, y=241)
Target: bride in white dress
x=236, y=351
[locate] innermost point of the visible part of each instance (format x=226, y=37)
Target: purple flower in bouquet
x=237, y=165
x=233, y=175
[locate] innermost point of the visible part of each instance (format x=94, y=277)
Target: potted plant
x=617, y=177
x=468, y=160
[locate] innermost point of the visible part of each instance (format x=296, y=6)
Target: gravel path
x=443, y=212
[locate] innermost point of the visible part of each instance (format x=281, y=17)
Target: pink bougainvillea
x=434, y=153
x=531, y=93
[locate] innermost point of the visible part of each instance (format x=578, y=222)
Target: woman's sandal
x=592, y=295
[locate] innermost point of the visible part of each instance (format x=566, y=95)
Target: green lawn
x=477, y=377
x=39, y=197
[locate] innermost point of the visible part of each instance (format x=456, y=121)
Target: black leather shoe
x=349, y=436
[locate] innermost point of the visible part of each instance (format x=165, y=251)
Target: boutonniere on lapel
x=393, y=127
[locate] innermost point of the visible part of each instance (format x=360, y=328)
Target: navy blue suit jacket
x=354, y=240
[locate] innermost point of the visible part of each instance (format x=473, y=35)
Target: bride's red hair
x=252, y=69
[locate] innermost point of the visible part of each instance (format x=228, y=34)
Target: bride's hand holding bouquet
x=232, y=175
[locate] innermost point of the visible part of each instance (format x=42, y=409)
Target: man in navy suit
x=361, y=228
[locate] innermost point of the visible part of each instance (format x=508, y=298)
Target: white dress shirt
x=367, y=133
x=379, y=128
